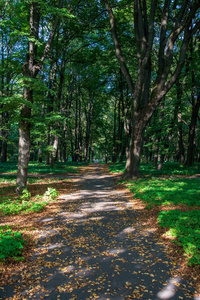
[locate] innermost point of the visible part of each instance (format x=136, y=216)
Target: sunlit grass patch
x=42, y=168
x=169, y=168
x=185, y=226
x=116, y=167
x=162, y=191
x=59, y=168
x=7, y=179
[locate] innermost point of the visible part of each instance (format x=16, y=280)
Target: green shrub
x=11, y=244
x=25, y=195
x=23, y=204
x=51, y=193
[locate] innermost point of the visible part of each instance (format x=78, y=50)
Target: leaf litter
x=111, y=252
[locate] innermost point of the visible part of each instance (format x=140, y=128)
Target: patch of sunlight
x=126, y=231
x=47, y=220
x=169, y=290
x=67, y=269
x=116, y=251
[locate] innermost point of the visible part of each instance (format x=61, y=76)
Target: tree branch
x=118, y=50
x=51, y=36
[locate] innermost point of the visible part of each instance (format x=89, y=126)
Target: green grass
x=116, y=167
x=38, y=168
x=167, y=191
x=169, y=168
x=185, y=227
x=155, y=189
x=42, y=168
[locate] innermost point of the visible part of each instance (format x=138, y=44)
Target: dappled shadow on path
x=95, y=247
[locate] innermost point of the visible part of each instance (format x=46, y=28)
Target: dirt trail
x=95, y=247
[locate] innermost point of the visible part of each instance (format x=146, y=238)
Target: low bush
x=23, y=203
x=11, y=244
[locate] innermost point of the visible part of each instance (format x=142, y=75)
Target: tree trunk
x=162, y=157
x=181, y=152
x=88, y=127
x=192, y=129
x=133, y=161
x=80, y=139
x=72, y=144
x=5, y=137
x=144, y=29
x=195, y=101
x=114, y=155
x=25, y=116
x=55, y=150
x=155, y=153
x=24, y=144
x=64, y=145
x=30, y=70
x=40, y=154
x=106, y=150
x=180, y=139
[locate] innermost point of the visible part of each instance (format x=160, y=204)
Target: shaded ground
x=96, y=244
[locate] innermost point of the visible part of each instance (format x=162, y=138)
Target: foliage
x=11, y=244
x=165, y=191
x=21, y=204
x=185, y=226
x=25, y=195
x=169, y=168
x=42, y=168
x=51, y=194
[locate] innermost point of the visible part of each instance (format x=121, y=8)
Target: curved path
x=95, y=248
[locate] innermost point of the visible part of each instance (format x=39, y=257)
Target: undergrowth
x=166, y=191
x=42, y=168
x=24, y=204
x=169, y=168
x=163, y=188
x=185, y=227
x=11, y=244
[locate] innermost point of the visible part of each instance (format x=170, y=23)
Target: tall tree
x=178, y=23
x=31, y=68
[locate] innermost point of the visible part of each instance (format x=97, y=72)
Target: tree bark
x=55, y=150
x=88, y=114
x=5, y=137
x=162, y=157
x=24, y=145
x=192, y=129
x=181, y=152
x=30, y=70
x=114, y=154
x=195, y=101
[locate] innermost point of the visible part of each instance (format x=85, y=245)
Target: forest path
x=96, y=247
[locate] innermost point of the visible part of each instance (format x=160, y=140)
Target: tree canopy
x=107, y=80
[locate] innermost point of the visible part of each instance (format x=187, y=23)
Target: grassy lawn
x=42, y=168
x=178, y=197
x=169, y=168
